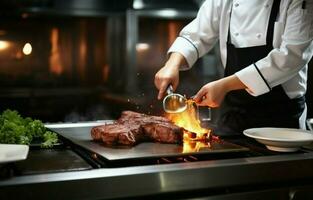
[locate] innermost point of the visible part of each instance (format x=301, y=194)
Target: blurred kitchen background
x=81, y=60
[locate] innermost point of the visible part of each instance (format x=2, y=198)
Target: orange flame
x=194, y=146
x=190, y=122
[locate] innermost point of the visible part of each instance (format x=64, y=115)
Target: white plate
x=281, y=139
x=13, y=152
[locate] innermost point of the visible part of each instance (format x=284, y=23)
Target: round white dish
x=281, y=139
x=13, y=152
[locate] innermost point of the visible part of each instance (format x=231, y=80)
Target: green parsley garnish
x=15, y=129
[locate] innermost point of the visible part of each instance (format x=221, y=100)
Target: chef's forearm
x=233, y=83
x=176, y=60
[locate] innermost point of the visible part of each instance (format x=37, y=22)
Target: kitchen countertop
x=206, y=177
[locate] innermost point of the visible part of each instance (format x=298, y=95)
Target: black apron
x=240, y=110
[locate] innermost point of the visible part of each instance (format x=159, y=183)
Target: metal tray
x=79, y=133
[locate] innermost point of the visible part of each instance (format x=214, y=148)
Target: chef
x=265, y=47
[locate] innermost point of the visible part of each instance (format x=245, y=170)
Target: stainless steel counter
x=206, y=177
x=261, y=175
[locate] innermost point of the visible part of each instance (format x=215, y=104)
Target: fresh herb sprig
x=14, y=129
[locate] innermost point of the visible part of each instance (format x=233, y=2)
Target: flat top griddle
x=79, y=133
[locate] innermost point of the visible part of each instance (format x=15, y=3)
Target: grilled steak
x=163, y=132
x=132, y=128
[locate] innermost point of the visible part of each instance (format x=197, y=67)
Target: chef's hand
x=213, y=93
x=169, y=74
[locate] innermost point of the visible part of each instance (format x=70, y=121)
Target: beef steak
x=132, y=128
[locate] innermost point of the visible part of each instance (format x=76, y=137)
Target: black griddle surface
x=50, y=160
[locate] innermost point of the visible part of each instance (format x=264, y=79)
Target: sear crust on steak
x=132, y=128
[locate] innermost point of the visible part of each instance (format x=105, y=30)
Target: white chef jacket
x=286, y=64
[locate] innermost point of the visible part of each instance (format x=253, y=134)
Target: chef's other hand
x=213, y=93
x=169, y=74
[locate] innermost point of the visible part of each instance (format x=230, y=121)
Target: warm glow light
x=27, y=49
x=168, y=13
x=138, y=4
x=173, y=30
x=190, y=122
x=55, y=64
x=3, y=32
x=4, y=45
x=142, y=47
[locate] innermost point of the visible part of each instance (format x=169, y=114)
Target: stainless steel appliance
x=73, y=170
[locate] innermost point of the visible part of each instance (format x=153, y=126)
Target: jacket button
x=258, y=35
x=236, y=34
x=236, y=4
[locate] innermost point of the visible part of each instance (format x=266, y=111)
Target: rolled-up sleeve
x=200, y=35
x=283, y=63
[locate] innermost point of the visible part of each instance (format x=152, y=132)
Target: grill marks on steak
x=132, y=128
